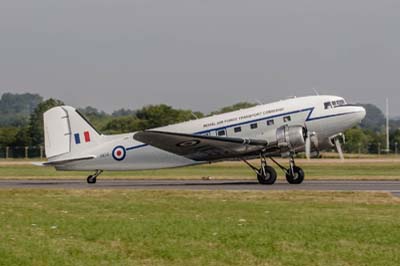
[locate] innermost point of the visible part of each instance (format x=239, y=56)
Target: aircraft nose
x=361, y=112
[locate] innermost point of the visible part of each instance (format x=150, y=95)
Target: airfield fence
x=38, y=152
x=22, y=152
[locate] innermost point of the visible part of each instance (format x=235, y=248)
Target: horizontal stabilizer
x=64, y=161
x=37, y=163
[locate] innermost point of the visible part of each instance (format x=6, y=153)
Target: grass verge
x=354, y=169
x=98, y=227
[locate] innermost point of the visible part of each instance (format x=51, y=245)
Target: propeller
x=311, y=141
x=339, y=149
x=308, y=145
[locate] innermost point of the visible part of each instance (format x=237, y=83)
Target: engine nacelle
x=291, y=137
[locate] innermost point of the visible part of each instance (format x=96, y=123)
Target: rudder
x=67, y=133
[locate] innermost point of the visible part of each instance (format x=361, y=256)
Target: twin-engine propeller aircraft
x=283, y=128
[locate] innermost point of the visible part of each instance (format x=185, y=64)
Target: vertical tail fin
x=67, y=133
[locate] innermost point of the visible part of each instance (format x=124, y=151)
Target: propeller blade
x=308, y=146
x=339, y=149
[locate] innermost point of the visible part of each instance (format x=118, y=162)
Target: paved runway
x=388, y=186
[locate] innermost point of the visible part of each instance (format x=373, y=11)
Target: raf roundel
x=188, y=143
x=119, y=153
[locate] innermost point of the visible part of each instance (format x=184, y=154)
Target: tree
x=92, y=112
x=97, y=118
x=19, y=103
x=36, y=121
x=235, y=107
x=357, y=140
x=395, y=140
x=374, y=119
x=8, y=136
x=14, y=120
x=377, y=141
x=162, y=115
x=124, y=124
x=23, y=137
x=15, y=109
x=123, y=112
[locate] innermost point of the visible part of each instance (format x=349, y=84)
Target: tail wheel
x=267, y=175
x=91, y=179
x=297, y=177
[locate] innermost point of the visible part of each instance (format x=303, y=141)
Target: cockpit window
x=334, y=104
x=340, y=102
x=328, y=105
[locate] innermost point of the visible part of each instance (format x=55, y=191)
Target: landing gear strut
x=266, y=175
x=92, y=178
x=294, y=175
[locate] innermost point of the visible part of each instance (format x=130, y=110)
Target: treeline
x=24, y=125
x=151, y=116
x=21, y=122
x=15, y=109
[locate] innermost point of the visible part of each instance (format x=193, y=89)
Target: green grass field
x=106, y=227
x=362, y=169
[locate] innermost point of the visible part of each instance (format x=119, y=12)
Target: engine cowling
x=291, y=137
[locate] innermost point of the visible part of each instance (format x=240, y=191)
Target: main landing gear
x=266, y=175
x=92, y=178
x=294, y=175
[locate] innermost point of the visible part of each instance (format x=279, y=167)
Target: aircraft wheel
x=268, y=176
x=91, y=179
x=298, y=176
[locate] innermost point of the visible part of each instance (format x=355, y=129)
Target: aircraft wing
x=201, y=148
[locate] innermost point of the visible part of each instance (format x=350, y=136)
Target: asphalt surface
x=387, y=186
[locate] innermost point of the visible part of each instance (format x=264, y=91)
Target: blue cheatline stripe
x=329, y=116
x=77, y=138
x=257, y=120
x=310, y=110
x=136, y=147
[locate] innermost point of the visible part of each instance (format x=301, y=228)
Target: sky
x=200, y=54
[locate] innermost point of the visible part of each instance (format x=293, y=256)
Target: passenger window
x=221, y=133
x=334, y=103
x=328, y=105
x=237, y=129
x=287, y=119
x=270, y=122
x=254, y=126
